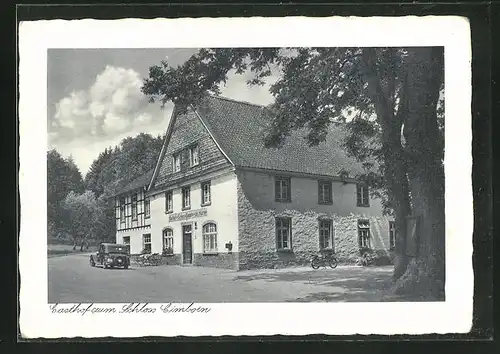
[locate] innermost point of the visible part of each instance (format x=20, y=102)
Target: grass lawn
x=54, y=250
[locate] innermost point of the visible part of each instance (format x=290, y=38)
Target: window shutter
x=358, y=194
x=319, y=192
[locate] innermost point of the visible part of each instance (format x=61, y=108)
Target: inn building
x=218, y=197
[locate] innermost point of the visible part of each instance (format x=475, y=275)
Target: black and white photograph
x=182, y=178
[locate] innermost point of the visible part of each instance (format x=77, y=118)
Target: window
x=177, y=162
x=146, y=243
x=364, y=233
x=325, y=192
x=206, y=197
x=210, y=238
x=193, y=155
x=147, y=208
x=325, y=234
x=282, y=189
x=126, y=240
x=186, y=197
x=134, y=207
x=283, y=234
x=168, y=240
x=362, y=195
x=392, y=235
x=122, y=209
x=169, y=202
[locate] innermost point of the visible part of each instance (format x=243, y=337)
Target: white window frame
x=145, y=241
x=122, y=209
x=169, y=201
x=168, y=238
x=209, y=232
x=134, y=207
x=362, y=194
x=176, y=162
x=147, y=208
x=206, y=194
x=364, y=236
x=186, y=197
x=325, y=198
x=194, y=156
x=283, y=233
x=283, y=190
x=326, y=233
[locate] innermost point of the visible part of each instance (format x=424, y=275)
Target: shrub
x=167, y=251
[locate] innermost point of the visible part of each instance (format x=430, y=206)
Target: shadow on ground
x=348, y=284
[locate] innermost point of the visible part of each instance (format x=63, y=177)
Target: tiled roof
x=239, y=128
x=136, y=183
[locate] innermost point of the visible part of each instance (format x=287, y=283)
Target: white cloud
x=84, y=151
x=144, y=119
x=113, y=124
x=110, y=106
x=113, y=107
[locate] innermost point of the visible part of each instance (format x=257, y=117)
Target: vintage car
x=110, y=255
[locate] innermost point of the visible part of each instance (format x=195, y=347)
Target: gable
x=187, y=129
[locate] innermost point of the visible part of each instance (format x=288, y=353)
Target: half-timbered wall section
x=132, y=211
x=191, y=152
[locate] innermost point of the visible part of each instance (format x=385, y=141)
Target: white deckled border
x=453, y=315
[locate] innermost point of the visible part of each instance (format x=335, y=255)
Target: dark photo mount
x=481, y=17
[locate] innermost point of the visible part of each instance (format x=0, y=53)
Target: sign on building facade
x=186, y=215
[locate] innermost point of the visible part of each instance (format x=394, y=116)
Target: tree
x=63, y=176
x=388, y=98
x=83, y=216
x=113, y=168
x=133, y=157
x=93, y=179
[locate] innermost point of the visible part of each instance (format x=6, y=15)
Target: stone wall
x=219, y=260
x=173, y=259
x=257, y=235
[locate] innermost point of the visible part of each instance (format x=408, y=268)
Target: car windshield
x=116, y=248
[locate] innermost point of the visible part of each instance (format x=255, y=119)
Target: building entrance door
x=187, y=245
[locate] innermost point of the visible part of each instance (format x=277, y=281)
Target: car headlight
x=110, y=260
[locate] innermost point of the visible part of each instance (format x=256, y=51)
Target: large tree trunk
x=395, y=170
x=397, y=182
x=425, y=274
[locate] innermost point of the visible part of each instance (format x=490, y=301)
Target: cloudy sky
x=95, y=100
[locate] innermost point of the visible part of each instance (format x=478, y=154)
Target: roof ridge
x=236, y=101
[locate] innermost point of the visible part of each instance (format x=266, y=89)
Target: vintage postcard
x=223, y=176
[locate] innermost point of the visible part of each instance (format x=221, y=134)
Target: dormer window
x=193, y=156
x=188, y=157
x=177, y=162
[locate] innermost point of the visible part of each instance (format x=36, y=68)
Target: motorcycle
x=324, y=260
